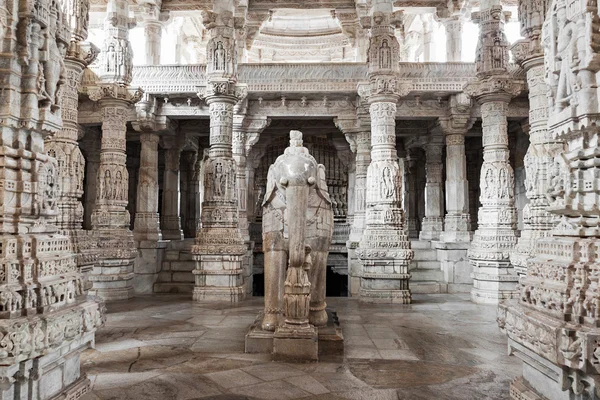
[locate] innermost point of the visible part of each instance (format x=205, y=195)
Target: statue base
x=329, y=341
x=296, y=345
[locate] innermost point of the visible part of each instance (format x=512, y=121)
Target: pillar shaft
x=454, y=30
x=147, y=222
x=363, y=160
x=170, y=220
x=110, y=218
x=219, y=250
x=153, y=34
x=496, y=235
x=493, y=276
x=433, y=222
x=537, y=220
x=457, y=224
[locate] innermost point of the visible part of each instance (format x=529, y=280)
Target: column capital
x=116, y=94
x=494, y=88
x=223, y=90
x=150, y=138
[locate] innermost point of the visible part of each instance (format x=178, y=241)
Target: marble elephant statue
x=297, y=212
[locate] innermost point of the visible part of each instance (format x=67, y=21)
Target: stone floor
x=168, y=347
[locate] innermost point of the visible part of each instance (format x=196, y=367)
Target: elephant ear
x=271, y=187
x=322, y=184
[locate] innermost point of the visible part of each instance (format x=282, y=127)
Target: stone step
x=428, y=287
x=170, y=287
x=420, y=244
x=425, y=265
x=426, y=275
x=425, y=255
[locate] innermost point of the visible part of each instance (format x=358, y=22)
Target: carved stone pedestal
x=219, y=277
x=296, y=346
x=328, y=340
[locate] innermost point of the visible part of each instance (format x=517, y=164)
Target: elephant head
x=296, y=208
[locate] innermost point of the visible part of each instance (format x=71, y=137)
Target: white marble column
x=427, y=37
x=46, y=319
x=147, y=219
x=384, y=250
x=90, y=144
x=112, y=278
x=219, y=250
x=357, y=130
x=454, y=41
x=170, y=221
x=539, y=159
x=433, y=222
x=412, y=211
x=457, y=224
x=189, y=199
x=153, y=26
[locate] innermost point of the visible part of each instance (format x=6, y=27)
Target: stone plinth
x=219, y=278
x=329, y=341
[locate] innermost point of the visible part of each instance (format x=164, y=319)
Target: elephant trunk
x=297, y=203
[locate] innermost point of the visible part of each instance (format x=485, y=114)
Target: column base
x=455, y=266
x=147, y=265
x=559, y=361
x=456, y=237
x=385, y=296
x=493, y=282
x=301, y=345
x=172, y=234
x=53, y=371
x=219, y=278
x=431, y=228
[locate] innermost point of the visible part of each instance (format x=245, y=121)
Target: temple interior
x=316, y=199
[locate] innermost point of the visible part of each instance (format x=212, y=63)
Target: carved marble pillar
x=454, y=30
x=91, y=147
x=427, y=37
x=147, y=220
x=188, y=195
x=494, y=278
x=170, y=221
x=537, y=220
x=219, y=250
x=553, y=326
x=153, y=26
x=112, y=278
x=412, y=212
x=64, y=147
x=110, y=219
x=45, y=318
x=457, y=224
x=358, y=133
x=239, y=155
x=433, y=222
x=384, y=249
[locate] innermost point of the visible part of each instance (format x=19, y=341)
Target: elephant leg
x=318, y=272
x=275, y=266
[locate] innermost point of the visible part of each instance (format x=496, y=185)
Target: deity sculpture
x=297, y=221
x=219, y=57
x=565, y=48
x=385, y=55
